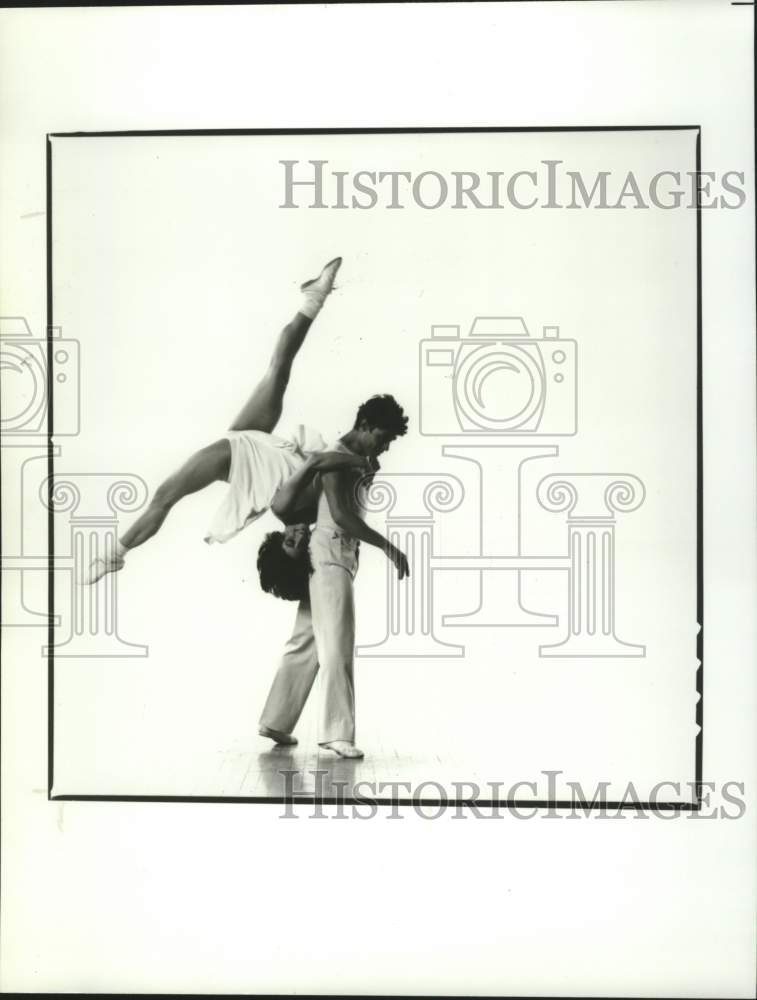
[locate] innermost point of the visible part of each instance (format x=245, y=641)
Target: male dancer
x=324, y=629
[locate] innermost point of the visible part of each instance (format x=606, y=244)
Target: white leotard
x=260, y=463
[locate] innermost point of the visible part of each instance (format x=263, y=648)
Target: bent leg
x=294, y=677
x=204, y=467
x=262, y=410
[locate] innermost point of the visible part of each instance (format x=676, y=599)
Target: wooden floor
x=261, y=770
x=284, y=772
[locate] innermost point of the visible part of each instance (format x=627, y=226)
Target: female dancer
x=252, y=460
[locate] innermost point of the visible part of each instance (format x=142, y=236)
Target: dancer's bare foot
x=283, y=739
x=316, y=290
x=344, y=748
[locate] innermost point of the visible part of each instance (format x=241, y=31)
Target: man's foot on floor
x=314, y=292
x=344, y=748
x=283, y=739
x=98, y=568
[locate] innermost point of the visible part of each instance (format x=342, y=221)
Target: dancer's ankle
x=314, y=292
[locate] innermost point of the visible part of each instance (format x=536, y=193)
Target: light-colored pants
x=323, y=637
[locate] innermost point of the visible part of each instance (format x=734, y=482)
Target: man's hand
x=400, y=561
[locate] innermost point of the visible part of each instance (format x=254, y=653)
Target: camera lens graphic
x=499, y=388
x=25, y=379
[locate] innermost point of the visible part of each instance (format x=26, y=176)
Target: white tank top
x=324, y=518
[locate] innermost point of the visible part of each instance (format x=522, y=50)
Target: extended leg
x=204, y=467
x=262, y=410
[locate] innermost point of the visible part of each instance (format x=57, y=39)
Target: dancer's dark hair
x=280, y=574
x=385, y=412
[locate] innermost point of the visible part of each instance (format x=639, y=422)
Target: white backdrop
x=174, y=266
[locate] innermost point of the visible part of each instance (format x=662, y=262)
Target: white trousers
x=323, y=639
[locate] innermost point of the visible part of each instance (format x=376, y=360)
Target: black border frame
x=511, y=804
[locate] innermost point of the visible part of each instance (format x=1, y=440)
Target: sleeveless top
x=324, y=518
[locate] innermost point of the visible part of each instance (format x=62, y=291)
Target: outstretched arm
x=295, y=500
x=339, y=491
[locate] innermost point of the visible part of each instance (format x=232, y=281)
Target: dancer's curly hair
x=383, y=411
x=280, y=574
